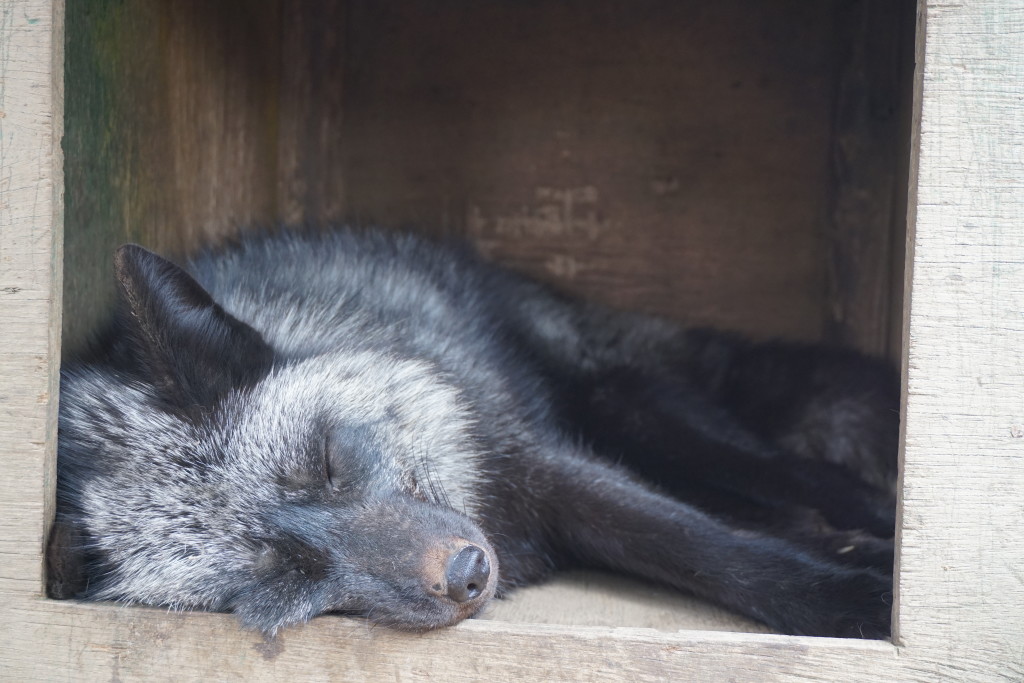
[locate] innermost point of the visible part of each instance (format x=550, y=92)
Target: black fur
x=759, y=476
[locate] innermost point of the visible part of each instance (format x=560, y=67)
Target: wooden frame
x=960, y=588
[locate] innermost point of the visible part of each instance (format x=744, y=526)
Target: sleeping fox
x=373, y=424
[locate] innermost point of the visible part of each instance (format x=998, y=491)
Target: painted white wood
x=961, y=583
x=31, y=189
x=961, y=573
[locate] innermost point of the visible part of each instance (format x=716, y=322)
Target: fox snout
x=454, y=579
x=460, y=571
x=403, y=563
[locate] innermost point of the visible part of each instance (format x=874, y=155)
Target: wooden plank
x=584, y=598
x=69, y=641
x=311, y=169
x=960, y=582
x=670, y=156
x=31, y=187
x=91, y=641
x=172, y=133
x=866, y=221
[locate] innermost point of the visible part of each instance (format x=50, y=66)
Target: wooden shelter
x=842, y=171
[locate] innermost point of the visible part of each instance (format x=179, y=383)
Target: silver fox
x=373, y=424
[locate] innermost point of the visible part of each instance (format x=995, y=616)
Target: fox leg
x=670, y=433
x=595, y=514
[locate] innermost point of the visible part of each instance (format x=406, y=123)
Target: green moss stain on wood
x=170, y=133
x=98, y=152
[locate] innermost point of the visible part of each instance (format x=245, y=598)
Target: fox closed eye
x=330, y=472
x=349, y=458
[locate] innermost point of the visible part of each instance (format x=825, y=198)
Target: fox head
x=202, y=468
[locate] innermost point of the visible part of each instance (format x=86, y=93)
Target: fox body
x=374, y=424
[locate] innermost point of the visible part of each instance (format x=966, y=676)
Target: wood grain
x=669, y=156
x=153, y=645
x=172, y=133
x=662, y=156
x=960, y=581
x=31, y=189
x=866, y=222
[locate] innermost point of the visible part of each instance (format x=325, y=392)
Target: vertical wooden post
x=867, y=208
x=31, y=223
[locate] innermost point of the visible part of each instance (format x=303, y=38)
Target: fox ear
x=193, y=349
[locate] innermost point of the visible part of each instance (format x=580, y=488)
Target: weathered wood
x=172, y=133
x=960, y=586
x=583, y=598
x=31, y=190
x=311, y=137
x=154, y=645
x=666, y=156
x=61, y=640
x=866, y=222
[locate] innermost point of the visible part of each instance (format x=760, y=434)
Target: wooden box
x=795, y=169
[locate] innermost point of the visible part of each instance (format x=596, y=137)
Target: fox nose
x=467, y=574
